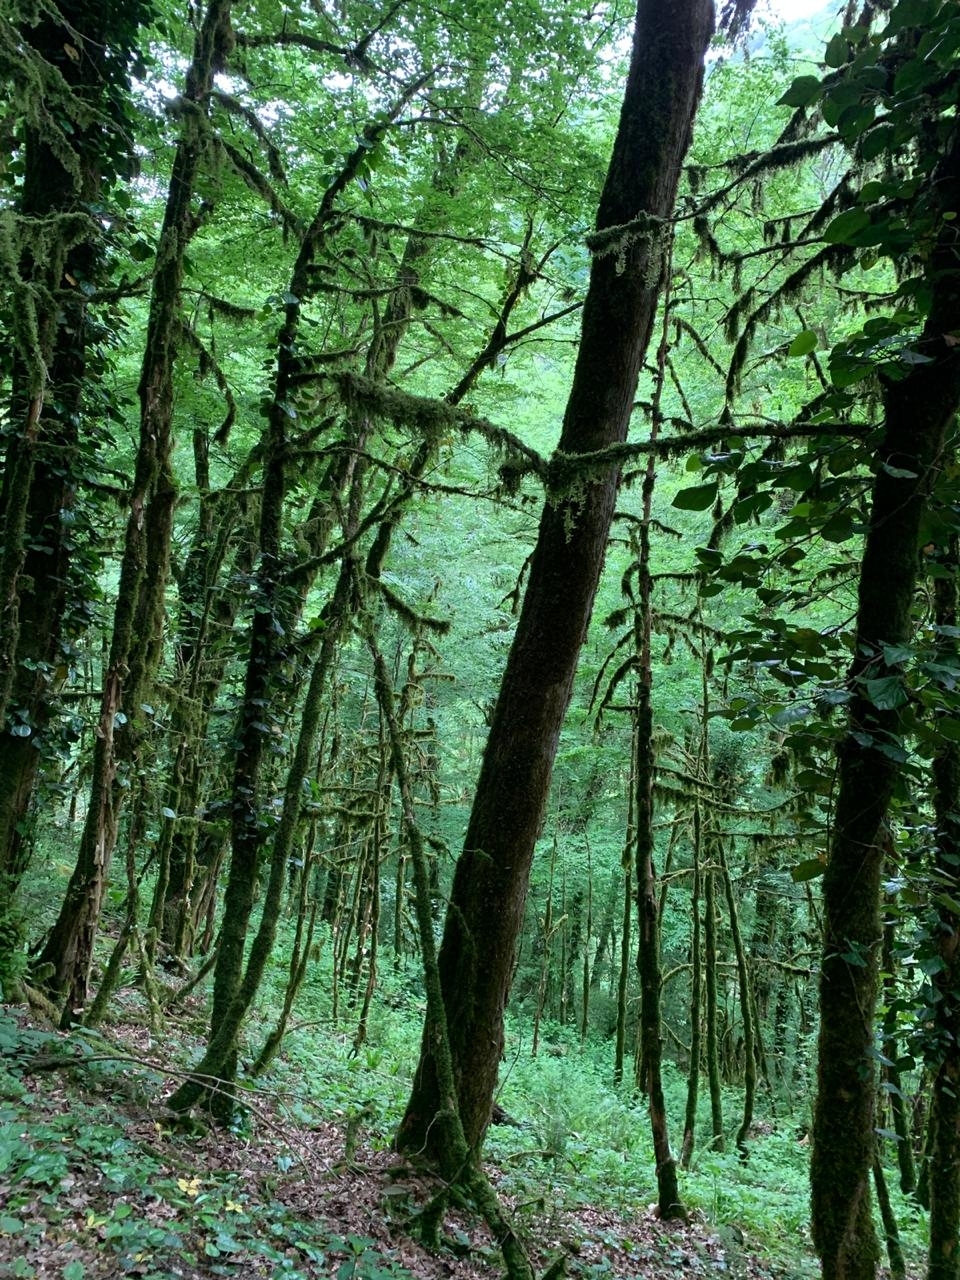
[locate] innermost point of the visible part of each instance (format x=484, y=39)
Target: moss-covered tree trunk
x=896, y=1098
x=626, y=921
x=80, y=50
x=696, y=998
x=235, y=986
x=490, y=883
x=746, y=1006
x=917, y=410
x=644, y=771
x=710, y=988
x=138, y=616
x=207, y=612
x=943, y=1261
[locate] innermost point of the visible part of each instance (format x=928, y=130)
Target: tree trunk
x=138, y=616
x=746, y=1007
x=891, y=1049
x=917, y=409
x=696, y=1000
x=623, y=976
x=50, y=368
x=898, y=1267
x=644, y=770
x=710, y=985
x=490, y=883
x=944, y=1254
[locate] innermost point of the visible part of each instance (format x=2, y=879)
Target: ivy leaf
x=698, y=498
x=802, y=92
x=791, y=714
x=886, y=692
x=846, y=225
x=837, y=51
x=807, y=870
x=877, y=140
x=803, y=343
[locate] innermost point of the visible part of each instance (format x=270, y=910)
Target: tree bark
x=138, y=616
x=644, y=771
x=746, y=1007
x=710, y=985
x=917, y=410
x=944, y=1254
x=43, y=458
x=490, y=883
x=696, y=1000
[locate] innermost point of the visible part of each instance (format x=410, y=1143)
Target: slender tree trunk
x=648, y=905
x=696, y=999
x=943, y=1261
x=547, y=938
x=138, y=615
x=710, y=984
x=235, y=987
x=917, y=411
x=490, y=883
x=891, y=1049
x=457, y=1167
x=626, y=956
x=587, y=933
x=898, y=1266
x=746, y=1007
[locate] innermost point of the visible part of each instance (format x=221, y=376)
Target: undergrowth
x=79, y=1168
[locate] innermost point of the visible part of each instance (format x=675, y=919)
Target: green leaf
x=802, y=92
x=699, y=498
x=803, y=343
x=846, y=369
x=808, y=870
x=837, y=51
x=73, y=1271
x=709, y=557
x=855, y=120
x=791, y=714
x=877, y=141
x=846, y=225
x=886, y=692
x=909, y=13
x=894, y=653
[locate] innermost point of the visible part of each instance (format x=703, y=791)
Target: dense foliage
x=292, y=301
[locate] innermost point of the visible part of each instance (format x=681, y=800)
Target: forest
x=479, y=639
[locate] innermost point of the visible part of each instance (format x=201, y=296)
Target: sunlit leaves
x=803, y=343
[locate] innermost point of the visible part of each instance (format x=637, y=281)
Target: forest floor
x=97, y=1181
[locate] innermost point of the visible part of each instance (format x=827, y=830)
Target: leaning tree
x=487, y=899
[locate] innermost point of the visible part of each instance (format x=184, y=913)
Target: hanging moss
x=434, y=418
